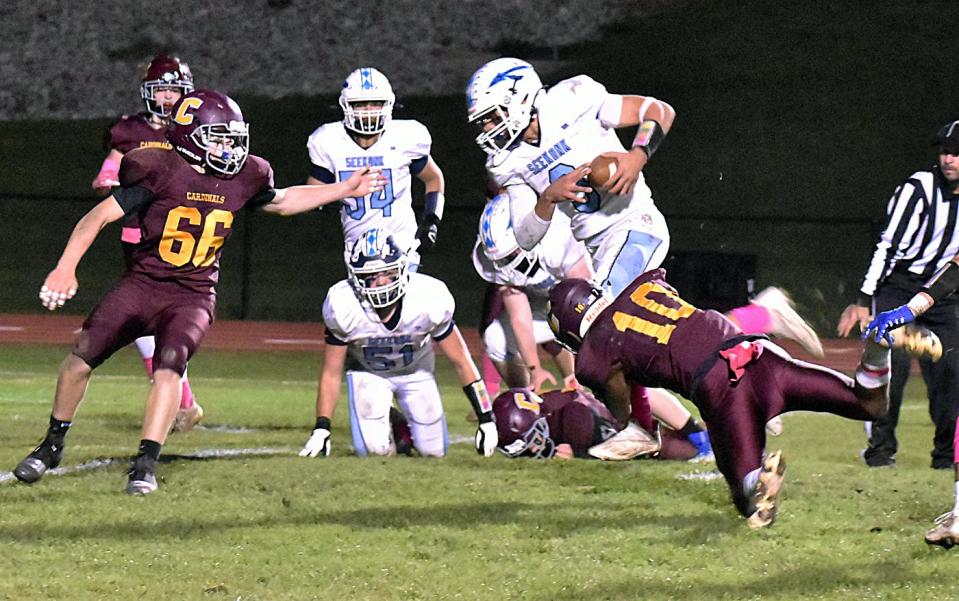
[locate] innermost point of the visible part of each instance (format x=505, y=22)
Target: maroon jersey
x=130, y=132
x=190, y=215
x=577, y=419
x=660, y=339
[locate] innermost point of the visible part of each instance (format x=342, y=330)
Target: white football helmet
x=378, y=269
x=366, y=84
x=499, y=242
x=499, y=101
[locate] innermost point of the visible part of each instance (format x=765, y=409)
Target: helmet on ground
x=522, y=429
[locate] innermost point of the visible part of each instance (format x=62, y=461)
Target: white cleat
x=187, y=419
x=630, y=442
x=774, y=427
x=946, y=531
x=786, y=322
x=766, y=494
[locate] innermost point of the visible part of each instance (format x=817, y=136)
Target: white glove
x=319, y=443
x=486, y=439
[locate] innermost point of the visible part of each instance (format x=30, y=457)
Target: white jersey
x=577, y=118
x=426, y=313
x=558, y=253
x=401, y=143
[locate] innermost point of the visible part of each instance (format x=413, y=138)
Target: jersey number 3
x=178, y=247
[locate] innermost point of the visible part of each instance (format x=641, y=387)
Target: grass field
x=275, y=526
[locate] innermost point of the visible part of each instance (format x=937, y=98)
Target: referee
x=921, y=235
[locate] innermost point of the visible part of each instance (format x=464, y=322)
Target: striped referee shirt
x=921, y=233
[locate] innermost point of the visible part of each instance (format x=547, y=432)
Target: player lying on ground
x=648, y=335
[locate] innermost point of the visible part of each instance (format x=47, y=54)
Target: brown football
x=601, y=169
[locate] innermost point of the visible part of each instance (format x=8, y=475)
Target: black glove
x=426, y=234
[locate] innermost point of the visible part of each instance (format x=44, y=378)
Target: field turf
x=271, y=525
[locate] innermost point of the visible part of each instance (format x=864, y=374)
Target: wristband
x=648, y=137
x=945, y=281
x=322, y=422
x=479, y=399
x=920, y=303
x=433, y=206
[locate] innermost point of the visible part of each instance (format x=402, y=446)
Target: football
x=601, y=169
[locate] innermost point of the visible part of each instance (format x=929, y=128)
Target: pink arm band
x=109, y=170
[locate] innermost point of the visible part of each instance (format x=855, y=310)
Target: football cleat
x=45, y=457
x=946, y=531
x=187, y=419
x=142, y=476
x=774, y=427
x=765, y=497
x=918, y=341
x=630, y=442
x=786, y=322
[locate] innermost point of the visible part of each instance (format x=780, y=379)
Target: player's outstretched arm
x=327, y=395
x=109, y=174
x=454, y=347
x=300, y=199
x=943, y=283
x=61, y=284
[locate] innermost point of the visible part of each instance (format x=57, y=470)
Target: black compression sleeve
x=943, y=283
x=132, y=199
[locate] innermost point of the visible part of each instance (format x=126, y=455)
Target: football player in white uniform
x=380, y=326
x=367, y=137
x=540, y=142
x=524, y=279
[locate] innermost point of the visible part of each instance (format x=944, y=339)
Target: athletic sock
x=186, y=394
x=490, y=376
x=148, y=366
x=57, y=431
x=752, y=318
x=873, y=370
x=149, y=448
x=691, y=427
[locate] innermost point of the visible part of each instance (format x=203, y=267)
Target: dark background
x=795, y=124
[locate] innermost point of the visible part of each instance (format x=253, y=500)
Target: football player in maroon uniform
x=648, y=335
x=186, y=201
x=165, y=81
x=567, y=423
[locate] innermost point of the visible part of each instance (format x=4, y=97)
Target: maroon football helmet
x=573, y=306
x=207, y=129
x=522, y=429
x=164, y=72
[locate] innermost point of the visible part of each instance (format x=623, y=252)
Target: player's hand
x=426, y=234
x=879, y=328
x=563, y=451
x=539, y=376
x=103, y=185
x=486, y=436
x=571, y=383
x=852, y=316
x=318, y=444
x=568, y=188
x=364, y=181
x=59, y=287
x=628, y=167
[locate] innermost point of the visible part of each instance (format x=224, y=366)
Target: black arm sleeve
x=263, y=197
x=132, y=199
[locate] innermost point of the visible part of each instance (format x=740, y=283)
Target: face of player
x=166, y=98
x=949, y=164
x=381, y=279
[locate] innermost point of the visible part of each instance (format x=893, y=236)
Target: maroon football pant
x=736, y=413
x=138, y=306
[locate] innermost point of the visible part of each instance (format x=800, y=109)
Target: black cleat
x=402, y=435
x=142, y=476
x=45, y=457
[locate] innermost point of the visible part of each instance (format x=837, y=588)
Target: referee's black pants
x=941, y=377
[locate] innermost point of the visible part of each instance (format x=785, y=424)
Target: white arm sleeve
x=611, y=111
x=528, y=228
